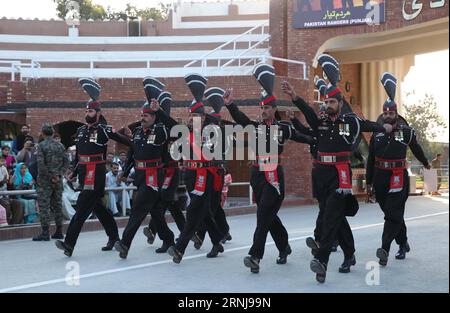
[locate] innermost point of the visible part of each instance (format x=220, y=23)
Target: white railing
x=235, y=41
x=228, y=59
x=15, y=67
x=123, y=189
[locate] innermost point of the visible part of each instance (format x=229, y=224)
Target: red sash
x=200, y=182
x=272, y=177
x=397, y=180
x=168, y=177
x=342, y=168
x=151, y=174
x=345, y=179
x=89, y=178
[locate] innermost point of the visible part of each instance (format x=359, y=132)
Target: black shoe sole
x=60, y=245
x=123, y=252
x=58, y=238
x=317, y=268
x=254, y=268
x=383, y=257
x=347, y=270
x=175, y=255
x=150, y=236
x=312, y=244
x=403, y=257
x=320, y=278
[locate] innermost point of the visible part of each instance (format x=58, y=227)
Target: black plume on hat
x=165, y=101
x=215, y=99
x=389, y=82
x=91, y=87
x=330, y=67
x=321, y=86
x=153, y=88
x=265, y=75
x=197, y=85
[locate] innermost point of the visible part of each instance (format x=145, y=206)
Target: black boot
x=150, y=236
x=164, y=248
x=252, y=263
x=58, y=234
x=215, y=251
x=282, y=259
x=198, y=242
x=345, y=267
x=226, y=238
x=61, y=245
x=313, y=245
x=43, y=236
x=175, y=254
x=110, y=245
x=123, y=250
x=320, y=269
x=404, y=249
x=383, y=255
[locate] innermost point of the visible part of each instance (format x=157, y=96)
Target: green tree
x=426, y=121
x=87, y=11
x=158, y=13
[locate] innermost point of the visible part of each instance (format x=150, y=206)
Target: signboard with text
x=332, y=13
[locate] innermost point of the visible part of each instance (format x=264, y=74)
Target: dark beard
x=91, y=120
x=331, y=112
x=390, y=121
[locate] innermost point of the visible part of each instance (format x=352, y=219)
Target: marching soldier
x=200, y=175
x=148, y=147
x=267, y=175
x=52, y=165
x=215, y=99
x=386, y=170
x=89, y=165
x=170, y=198
x=336, y=136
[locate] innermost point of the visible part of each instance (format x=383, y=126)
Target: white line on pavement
x=146, y=265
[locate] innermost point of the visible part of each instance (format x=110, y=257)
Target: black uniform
x=217, y=212
x=171, y=199
x=332, y=174
x=199, y=177
x=269, y=195
x=145, y=155
x=386, y=170
x=90, y=167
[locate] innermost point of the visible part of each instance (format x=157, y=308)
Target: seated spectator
x=3, y=220
x=69, y=198
x=4, y=176
x=14, y=210
x=114, y=197
x=122, y=160
x=9, y=159
x=22, y=180
x=109, y=161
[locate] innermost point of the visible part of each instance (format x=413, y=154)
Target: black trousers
x=91, y=201
x=146, y=202
x=198, y=211
x=333, y=225
x=175, y=208
x=218, y=215
x=174, y=202
x=268, y=203
x=393, y=207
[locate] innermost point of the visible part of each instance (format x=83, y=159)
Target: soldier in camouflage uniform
x=52, y=164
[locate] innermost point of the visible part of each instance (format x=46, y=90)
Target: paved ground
x=39, y=267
